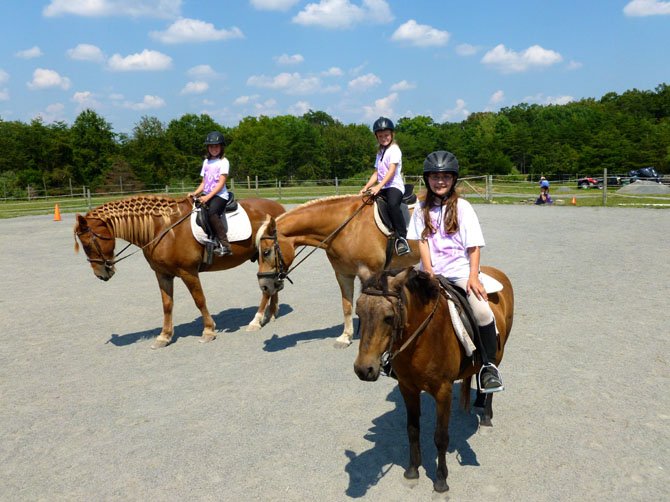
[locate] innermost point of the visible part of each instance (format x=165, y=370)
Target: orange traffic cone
x=574, y=201
x=56, y=213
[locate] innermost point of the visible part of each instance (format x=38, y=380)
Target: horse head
x=275, y=255
x=98, y=242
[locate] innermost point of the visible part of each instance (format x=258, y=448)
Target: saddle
x=382, y=217
x=202, y=221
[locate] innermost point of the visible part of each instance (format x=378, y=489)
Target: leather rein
x=109, y=264
x=281, y=270
x=399, y=314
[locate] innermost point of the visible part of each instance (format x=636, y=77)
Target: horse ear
x=81, y=225
x=272, y=225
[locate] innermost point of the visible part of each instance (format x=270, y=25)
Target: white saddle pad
x=239, y=226
x=490, y=284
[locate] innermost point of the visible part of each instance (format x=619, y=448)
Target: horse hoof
x=207, y=338
x=253, y=327
x=440, y=486
x=342, y=342
x=411, y=473
x=159, y=344
x=485, y=422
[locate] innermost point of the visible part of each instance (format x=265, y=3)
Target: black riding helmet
x=440, y=162
x=383, y=123
x=214, y=138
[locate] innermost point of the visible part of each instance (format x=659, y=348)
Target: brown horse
x=161, y=227
x=342, y=225
x=404, y=316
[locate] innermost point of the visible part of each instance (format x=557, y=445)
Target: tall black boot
x=223, y=248
x=490, y=379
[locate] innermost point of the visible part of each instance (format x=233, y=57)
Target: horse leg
x=443, y=410
x=346, y=283
x=267, y=310
x=192, y=282
x=485, y=402
x=413, y=406
x=166, y=285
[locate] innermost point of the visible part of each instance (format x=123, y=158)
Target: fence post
x=279, y=187
x=605, y=187
x=337, y=186
x=88, y=198
x=256, y=185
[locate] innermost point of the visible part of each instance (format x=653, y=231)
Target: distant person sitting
x=544, y=197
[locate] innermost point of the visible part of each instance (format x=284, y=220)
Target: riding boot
x=490, y=379
x=223, y=248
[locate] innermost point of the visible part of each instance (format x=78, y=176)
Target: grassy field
x=474, y=189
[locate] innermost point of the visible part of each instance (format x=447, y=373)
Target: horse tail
x=465, y=393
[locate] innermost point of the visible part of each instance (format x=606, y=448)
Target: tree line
x=618, y=132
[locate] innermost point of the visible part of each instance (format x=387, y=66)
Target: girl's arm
x=388, y=177
x=371, y=181
x=474, y=284
x=197, y=191
x=424, y=253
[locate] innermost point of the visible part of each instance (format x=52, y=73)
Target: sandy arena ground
x=89, y=412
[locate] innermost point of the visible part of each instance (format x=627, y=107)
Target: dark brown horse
x=404, y=314
x=342, y=225
x=161, y=227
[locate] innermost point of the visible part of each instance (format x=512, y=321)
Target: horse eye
x=266, y=253
x=389, y=320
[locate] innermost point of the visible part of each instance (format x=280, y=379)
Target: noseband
x=281, y=270
x=108, y=264
x=399, y=315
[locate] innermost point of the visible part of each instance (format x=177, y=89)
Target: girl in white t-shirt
x=387, y=179
x=450, y=239
x=213, y=192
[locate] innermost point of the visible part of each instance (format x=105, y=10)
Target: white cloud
x=574, y=65
x=164, y=9
x=364, y=82
x=420, y=35
x=290, y=83
x=640, y=8
x=4, y=94
x=86, y=52
x=466, y=50
x=496, y=97
x=53, y=113
x=4, y=76
x=33, y=52
x=508, y=61
x=342, y=14
x=273, y=4
x=333, y=71
x=381, y=107
x=403, y=85
x=202, y=71
x=285, y=59
x=44, y=79
x=85, y=99
x=193, y=30
x=548, y=100
x=148, y=103
x=245, y=100
x=299, y=108
x=145, y=61
x=458, y=113
x=195, y=88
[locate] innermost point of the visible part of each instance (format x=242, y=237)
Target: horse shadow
x=227, y=321
x=276, y=343
x=390, y=444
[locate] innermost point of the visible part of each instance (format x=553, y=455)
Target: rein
x=280, y=264
x=108, y=264
x=399, y=320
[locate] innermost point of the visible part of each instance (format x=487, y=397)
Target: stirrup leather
x=489, y=367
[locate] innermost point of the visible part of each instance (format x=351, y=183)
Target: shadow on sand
x=228, y=321
x=390, y=447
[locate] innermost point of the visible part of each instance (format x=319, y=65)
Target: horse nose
x=366, y=373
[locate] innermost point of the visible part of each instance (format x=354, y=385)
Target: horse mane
x=134, y=218
x=418, y=283
x=313, y=202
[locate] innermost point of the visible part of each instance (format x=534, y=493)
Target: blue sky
x=354, y=59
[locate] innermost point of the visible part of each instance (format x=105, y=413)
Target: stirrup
x=222, y=250
x=402, y=246
x=495, y=374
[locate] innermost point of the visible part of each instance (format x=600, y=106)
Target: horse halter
x=281, y=270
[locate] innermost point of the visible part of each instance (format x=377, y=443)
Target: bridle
x=397, y=302
x=281, y=270
x=109, y=264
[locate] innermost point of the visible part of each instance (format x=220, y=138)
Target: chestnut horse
x=342, y=225
x=404, y=317
x=161, y=228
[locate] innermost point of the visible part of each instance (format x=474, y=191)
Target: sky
x=353, y=59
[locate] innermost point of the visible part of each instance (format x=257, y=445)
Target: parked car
x=612, y=181
x=645, y=173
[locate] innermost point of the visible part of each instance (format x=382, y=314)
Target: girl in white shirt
x=450, y=239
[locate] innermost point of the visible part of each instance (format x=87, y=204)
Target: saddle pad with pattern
x=239, y=226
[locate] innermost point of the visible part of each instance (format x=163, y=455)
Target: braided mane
x=312, y=202
x=135, y=219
